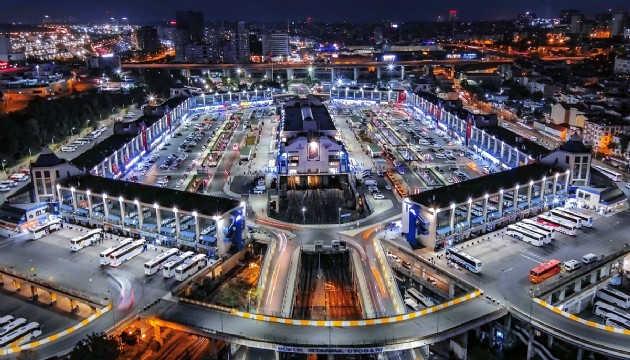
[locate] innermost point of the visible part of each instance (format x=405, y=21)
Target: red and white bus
x=561, y=226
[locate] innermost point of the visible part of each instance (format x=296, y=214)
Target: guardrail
x=388, y=277
x=580, y=320
x=337, y=323
x=63, y=290
x=58, y=335
x=264, y=272
x=286, y=299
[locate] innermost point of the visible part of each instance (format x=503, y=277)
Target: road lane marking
x=534, y=260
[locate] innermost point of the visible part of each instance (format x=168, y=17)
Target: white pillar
x=122, y=211
x=140, y=214
x=501, y=203
x=485, y=209
x=74, y=199
x=177, y=225
x=89, y=201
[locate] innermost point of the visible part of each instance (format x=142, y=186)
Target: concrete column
x=566, y=182
x=502, y=150
x=549, y=341
x=122, y=212
x=402, y=72
x=268, y=74
x=469, y=215
x=53, y=297
x=289, y=74
x=518, y=157
x=197, y=232
x=34, y=293
x=276, y=355
x=226, y=73
x=529, y=194
x=333, y=76
x=158, y=220
x=451, y=290
x=495, y=145
x=378, y=73
x=105, y=209
x=73, y=304
x=555, y=184
x=157, y=333
x=577, y=285
x=356, y=73
x=177, y=225
x=140, y=215
x=501, y=203
x=530, y=344
x=74, y=200
x=452, y=222
x=485, y=210
x=459, y=346
x=580, y=354
x=507, y=324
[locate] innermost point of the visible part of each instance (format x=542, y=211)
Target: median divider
x=593, y=324
x=58, y=335
x=337, y=323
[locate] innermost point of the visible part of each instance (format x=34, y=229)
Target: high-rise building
x=189, y=28
x=565, y=16
x=619, y=21
x=242, y=42
x=452, y=15
x=275, y=44
x=5, y=45
x=145, y=39
x=577, y=21
x=378, y=35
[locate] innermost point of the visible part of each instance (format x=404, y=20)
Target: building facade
x=145, y=39
x=622, y=64
x=599, y=131
x=275, y=44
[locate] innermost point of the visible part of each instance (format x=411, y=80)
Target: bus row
x=609, y=305
x=532, y=232
x=416, y=301
x=172, y=263
x=14, y=332
x=125, y=251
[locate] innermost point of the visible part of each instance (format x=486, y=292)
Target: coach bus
x=614, y=297
x=86, y=240
x=561, y=226
x=40, y=231
x=419, y=298
x=463, y=259
x=544, y=271
x=613, y=175
x=168, y=270
x=127, y=253
x=153, y=266
x=586, y=220
x=605, y=311
x=105, y=254
x=566, y=218
x=21, y=335
x=537, y=225
x=546, y=234
x=523, y=234
x=190, y=267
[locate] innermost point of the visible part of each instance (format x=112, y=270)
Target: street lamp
x=303, y=215
x=340, y=216
x=72, y=131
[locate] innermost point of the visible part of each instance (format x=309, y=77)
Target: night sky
x=143, y=11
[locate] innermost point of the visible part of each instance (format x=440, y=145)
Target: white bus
x=617, y=322
x=86, y=240
x=126, y=253
x=419, y=298
x=546, y=234
x=190, y=267
x=561, y=226
x=105, y=254
x=540, y=226
x=16, y=323
x=614, y=297
x=412, y=304
x=168, y=270
x=21, y=335
x=39, y=231
x=605, y=311
x=6, y=320
x=153, y=266
x=613, y=175
x=523, y=234
x=463, y=259
x=584, y=219
x=566, y=218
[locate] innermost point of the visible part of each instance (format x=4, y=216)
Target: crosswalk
x=216, y=193
x=533, y=256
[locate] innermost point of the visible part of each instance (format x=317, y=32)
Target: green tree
x=96, y=346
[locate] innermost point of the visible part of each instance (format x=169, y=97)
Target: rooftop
x=167, y=198
x=517, y=141
x=293, y=120
x=575, y=145
x=47, y=159
x=476, y=188
x=100, y=151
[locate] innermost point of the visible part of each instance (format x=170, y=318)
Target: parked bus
x=617, y=322
x=105, y=254
x=190, y=267
x=21, y=335
x=566, y=218
x=6, y=320
x=126, y=253
x=561, y=226
x=544, y=271
x=86, y=240
x=605, y=311
x=613, y=175
x=537, y=225
x=168, y=270
x=16, y=323
x=614, y=297
x=419, y=298
x=526, y=235
x=40, y=231
x=546, y=234
x=153, y=266
x=463, y=259
x=584, y=219
x=412, y=304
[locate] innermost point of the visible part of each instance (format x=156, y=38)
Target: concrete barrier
x=580, y=320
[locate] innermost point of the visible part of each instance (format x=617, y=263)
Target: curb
x=580, y=320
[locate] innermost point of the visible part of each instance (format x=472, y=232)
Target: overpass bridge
x=334, y=68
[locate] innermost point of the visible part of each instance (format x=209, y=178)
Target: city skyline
x=350, y=10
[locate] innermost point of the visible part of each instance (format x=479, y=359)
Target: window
x=38, y=174
x=566, y=159
x=47, y=173
x=57, y=173
x=585, y=159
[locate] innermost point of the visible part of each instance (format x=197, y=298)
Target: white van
x=369, y=182
x=589, y=258
x=259, y=189
x=68, y=148
x=8, y=183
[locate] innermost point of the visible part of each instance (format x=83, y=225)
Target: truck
x=379, y=166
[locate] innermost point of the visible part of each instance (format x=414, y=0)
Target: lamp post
x=303, y=215
x=339, y=216
x=72, y=131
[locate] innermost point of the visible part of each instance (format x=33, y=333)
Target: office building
x=189, y=29
x=577, y=22
x=275, y=44
x=242, y=42
x=145, y=39
x=618, y=24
